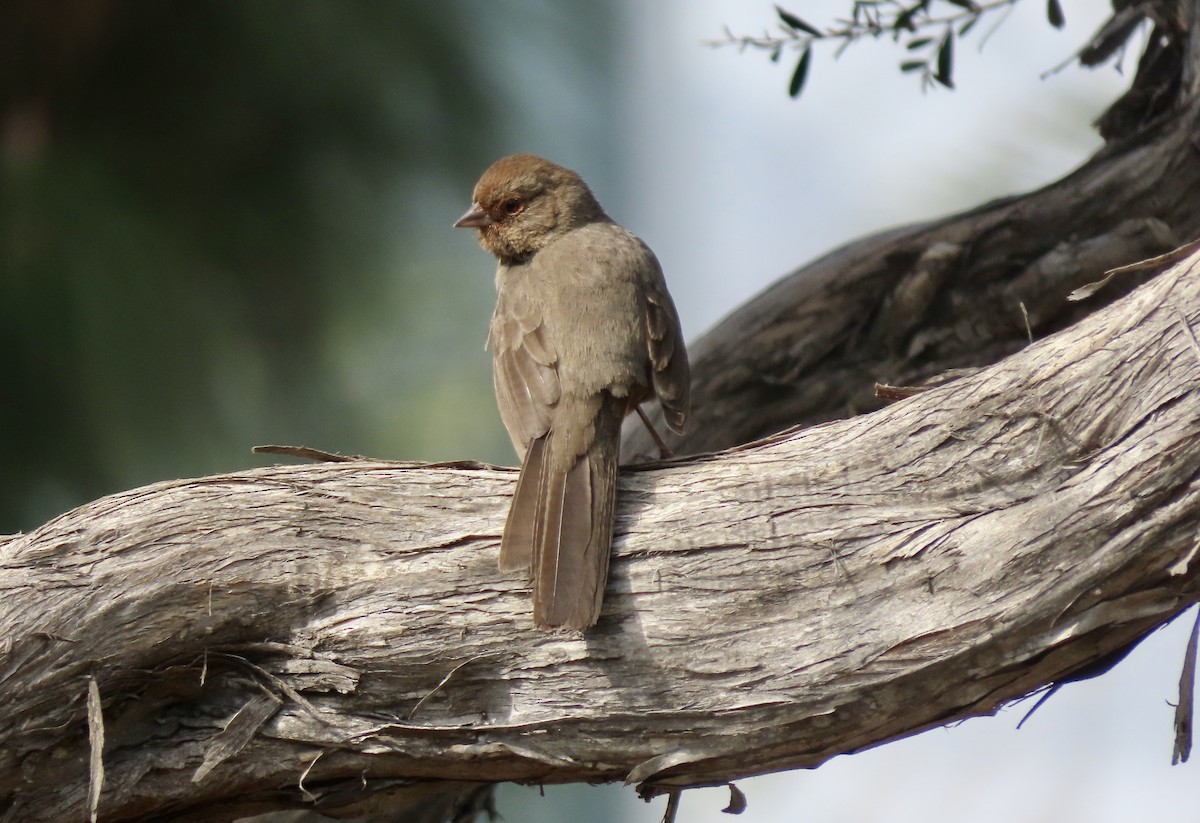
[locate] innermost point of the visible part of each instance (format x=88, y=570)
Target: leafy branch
x=927, y=30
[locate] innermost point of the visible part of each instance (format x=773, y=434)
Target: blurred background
x=226, y=223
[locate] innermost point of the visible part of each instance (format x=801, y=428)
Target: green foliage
x=925, y=29
x=1054, y=14
x=801, y=73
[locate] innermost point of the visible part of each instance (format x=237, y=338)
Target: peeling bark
x=771, y=607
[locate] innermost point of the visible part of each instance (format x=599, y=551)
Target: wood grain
x=770, y=607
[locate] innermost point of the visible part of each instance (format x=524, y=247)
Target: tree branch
x=909, y=304
x=817, y=593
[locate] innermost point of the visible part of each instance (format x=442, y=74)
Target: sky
x=757, y=184
x=734, y=185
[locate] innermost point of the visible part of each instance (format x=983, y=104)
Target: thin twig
x=673, y=797
x=848, y=30
x=1028, y=327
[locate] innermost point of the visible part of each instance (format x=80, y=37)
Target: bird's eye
x=512, y=205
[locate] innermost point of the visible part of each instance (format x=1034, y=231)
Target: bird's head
x=523, y=202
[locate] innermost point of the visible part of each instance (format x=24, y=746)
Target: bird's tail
x=568, y=539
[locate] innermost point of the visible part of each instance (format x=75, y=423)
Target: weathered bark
x=336, y=637
x=769, y=608
x=909, y=304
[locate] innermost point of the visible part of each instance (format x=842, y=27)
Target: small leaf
x=904, y=19
x=775, y=54
x=965, y=4
x=1054, y=14
x=800, y=75
x=967, y=26
x=919, y=43
x=945, y=61
x=912, y=65
x=793, y=22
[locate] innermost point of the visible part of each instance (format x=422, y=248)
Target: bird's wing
x=525, y=373
x=668, y=358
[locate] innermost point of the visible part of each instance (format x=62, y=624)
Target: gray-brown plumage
x=583, y=331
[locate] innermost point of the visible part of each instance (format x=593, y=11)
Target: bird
x=584, y=331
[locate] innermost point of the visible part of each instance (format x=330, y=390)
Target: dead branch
x=770, y=607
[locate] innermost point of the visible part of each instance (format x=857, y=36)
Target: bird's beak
x=475, y=218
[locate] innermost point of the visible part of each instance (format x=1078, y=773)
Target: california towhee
x=583, y=332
